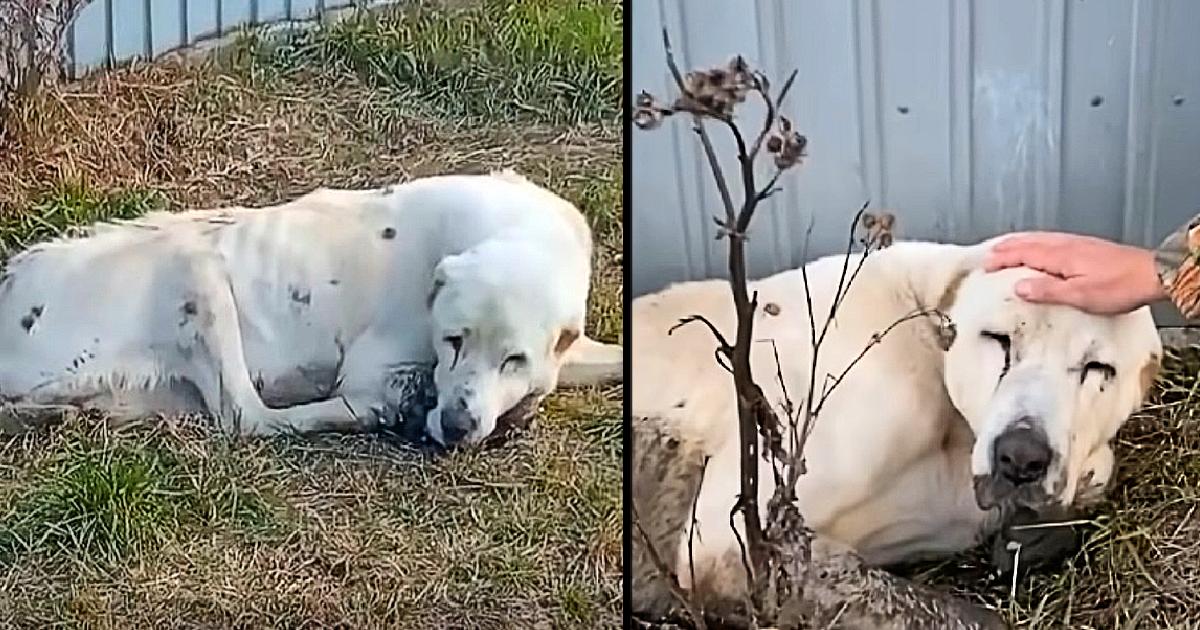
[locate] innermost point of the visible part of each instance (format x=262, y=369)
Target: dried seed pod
x=792, y=150
x=774, y=144
x=646, y=119
x=946, y=333
x=877, y=229
x=695, y=82
x=884, y=236
x=739, y=78
x=716, y=91
x=647, y=113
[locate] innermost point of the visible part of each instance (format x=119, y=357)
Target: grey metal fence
x=112, y=31
x=965, y=118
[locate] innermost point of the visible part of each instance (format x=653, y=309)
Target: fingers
x=1036, y=255
x=1044, y=251
x=1049, y=290
x=1018, y=240
x=1002, y=259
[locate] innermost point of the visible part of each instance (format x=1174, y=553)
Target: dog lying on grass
x=326, y=313
x=939, y=438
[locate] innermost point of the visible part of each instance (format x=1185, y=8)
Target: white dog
x=301, y=316
x=938, y=437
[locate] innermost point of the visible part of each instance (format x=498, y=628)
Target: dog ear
x=566, y=337
x=944, y=330
x=438, y=283
x=441, y=274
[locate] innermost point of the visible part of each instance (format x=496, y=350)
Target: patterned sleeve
x=1177, y=262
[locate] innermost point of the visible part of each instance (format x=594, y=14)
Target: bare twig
x=876, y=339
x=724, y=351
x=711, y=155
x=811, y=405
x=789, y=410
x=770, y=188
x=692, y=533
x=698, y=126
x=744, y=554
x=31, y=44
x=750, y=402
x=842, y=285
x=762, y=86
x=724, y=345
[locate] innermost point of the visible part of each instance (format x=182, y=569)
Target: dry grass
x=1140, y=563
x=171, y=524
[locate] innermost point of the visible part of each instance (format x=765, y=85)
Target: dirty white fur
x=314, y=301
x=892, y=456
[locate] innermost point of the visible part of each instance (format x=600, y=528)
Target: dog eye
x=999, y=337
x=1006, y=343
x=1106, y=370
x=514, y=360
x=455, y=342
x=1004, y=340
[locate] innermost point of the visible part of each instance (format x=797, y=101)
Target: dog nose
x=457, y=422
x=1021, y=455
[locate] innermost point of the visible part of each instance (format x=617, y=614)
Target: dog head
x=503, y=316
x=1044, y=387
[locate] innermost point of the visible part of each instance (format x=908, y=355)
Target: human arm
x=1104, y=277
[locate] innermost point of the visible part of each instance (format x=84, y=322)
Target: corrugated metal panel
x=118, y=30
x=966, y=119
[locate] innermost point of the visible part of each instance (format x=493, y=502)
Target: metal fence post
x=109, y=61
x=183, y=23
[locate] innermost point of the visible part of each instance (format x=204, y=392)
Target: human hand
x=1091, y=274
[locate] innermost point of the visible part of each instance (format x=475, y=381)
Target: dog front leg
x=211, y=337
x=398, y=403
x=1036, y=539
x=211, y=340
x=1095, y=477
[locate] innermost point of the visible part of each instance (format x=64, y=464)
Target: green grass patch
x=97, y=504
x=106, y=502
x=599, y=196
x=66, y=207
x=576, y=606
x=556, y=61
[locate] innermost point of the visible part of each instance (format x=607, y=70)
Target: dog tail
x=589, y=362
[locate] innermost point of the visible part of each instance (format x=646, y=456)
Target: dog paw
x=1030, y=542
x=373, y=421
x=1090, y=491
